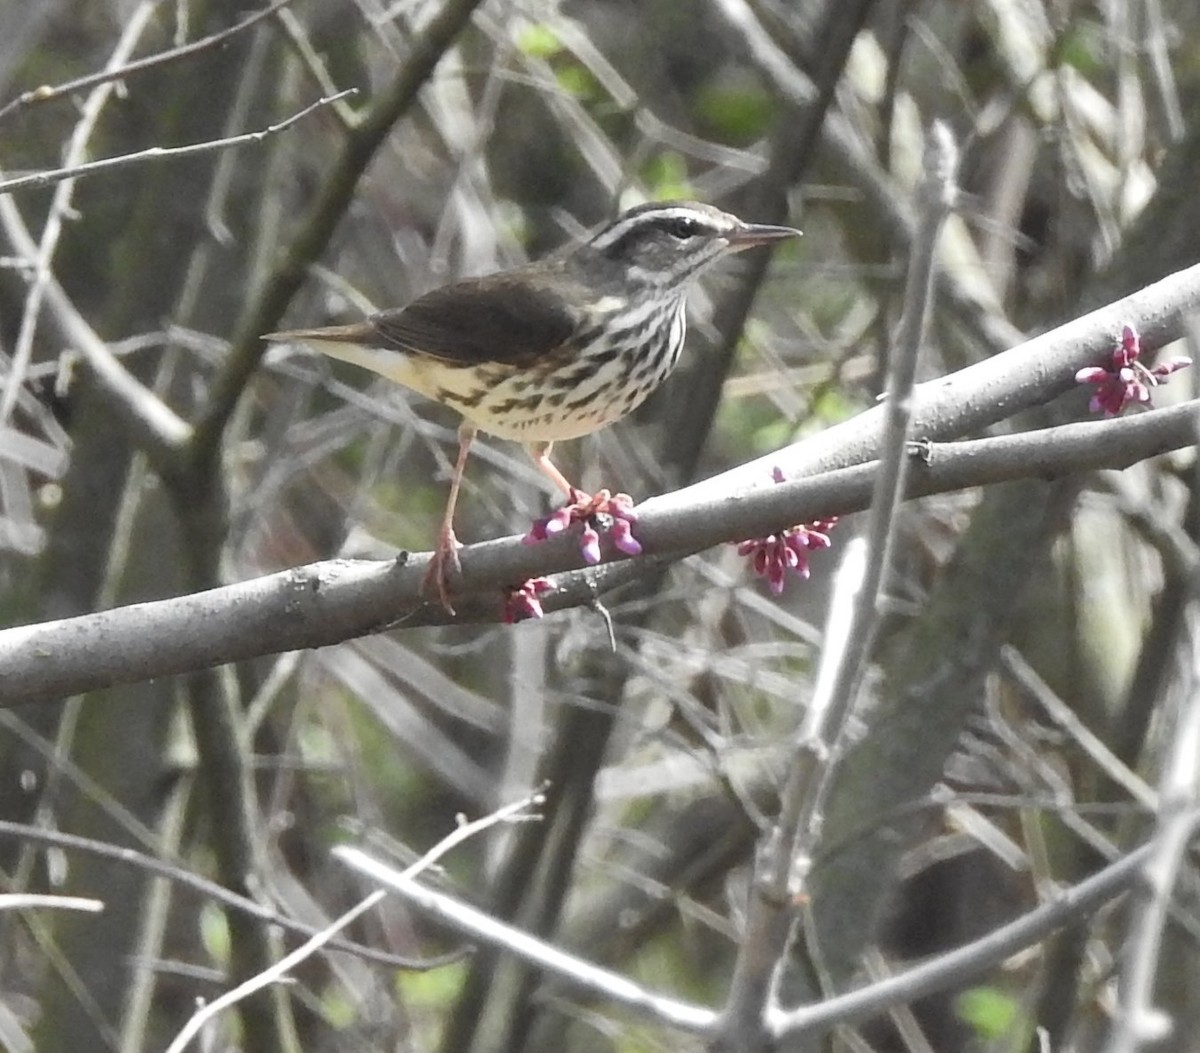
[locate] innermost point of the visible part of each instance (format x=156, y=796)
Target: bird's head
x=663, y=244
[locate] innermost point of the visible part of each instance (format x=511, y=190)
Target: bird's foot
x=443, y=563
x=614, y=513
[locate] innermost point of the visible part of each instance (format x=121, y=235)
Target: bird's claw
x=443, y=563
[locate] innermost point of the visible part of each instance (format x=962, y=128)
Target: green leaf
x=665, y=176
x=539, y=41
x=214, y=933
x=737, y=115
x=432, y=988
x=1081, y=47
x=577, y=81
x=991, y=1012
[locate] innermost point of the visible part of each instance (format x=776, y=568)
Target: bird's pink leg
x=540, y=452
x=445, y=555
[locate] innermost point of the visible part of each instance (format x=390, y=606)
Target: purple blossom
x=589, y=544
x=621, y=533
x=612, y=513
x=1126, y=379
x=773, y=556
x=524, y=601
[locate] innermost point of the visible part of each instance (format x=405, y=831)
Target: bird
x=549, y=350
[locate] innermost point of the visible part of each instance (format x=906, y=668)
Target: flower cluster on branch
x=1125, y=379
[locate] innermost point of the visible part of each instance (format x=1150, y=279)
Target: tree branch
x=210, y=890
x=163, y=153
x=329, y=602
x=577, y=972
x=44, y=93
x=60, y=205
x=156, y=429
x=971, y=960
x=1136, y=1022
x=965, y=963
x=970, y=399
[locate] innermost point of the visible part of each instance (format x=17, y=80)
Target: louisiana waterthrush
x=553, y=349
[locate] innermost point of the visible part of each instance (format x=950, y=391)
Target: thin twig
x=157, y=430
x=44, y=93
x=568, y=968
x=264, y=310
x=314, y=64
x=965, y=963
x=164, y=153
x=1137, y=1022
x=509, y=813
x=888, y=204
x=1162, y=75
x=779, y=879
x=179, y=875
x=1068, y=720
x=59, y=206
x=29, y=900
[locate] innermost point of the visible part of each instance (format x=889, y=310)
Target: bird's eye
x=682, y=228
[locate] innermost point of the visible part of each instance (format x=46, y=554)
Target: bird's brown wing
x=503, y=318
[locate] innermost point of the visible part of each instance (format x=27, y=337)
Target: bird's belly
x=575, y=398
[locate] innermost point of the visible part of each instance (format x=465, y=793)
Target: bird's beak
x=749, y=235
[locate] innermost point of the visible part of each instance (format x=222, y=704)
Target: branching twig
x=59, y=205
x=952, y=968
x=158, y=432
x=842, y=140
x=210, y=890
x=45, y=93
x=975, y=959
x=1137, y=1022
x=1030, y=374
x=1068, y=720
x=577, y=972
x=164, y=153
x=509, y=813
x=267, y=306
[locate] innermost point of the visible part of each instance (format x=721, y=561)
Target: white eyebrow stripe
x=613, y=234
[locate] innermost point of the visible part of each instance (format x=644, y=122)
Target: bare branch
x=209, y=889
x=331, y=202
x=974, y=959
x=1065, y=717
x=1137, y=1023
x=326, y=603
x=61, y=203
x=29, y=900
x=965, y=963
x=772, y=909
x=164, y=153
x=509, y=813
x=962, y=403
x=314, y=64
x=158, y=431
x=572, y=970
x=124, y=72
